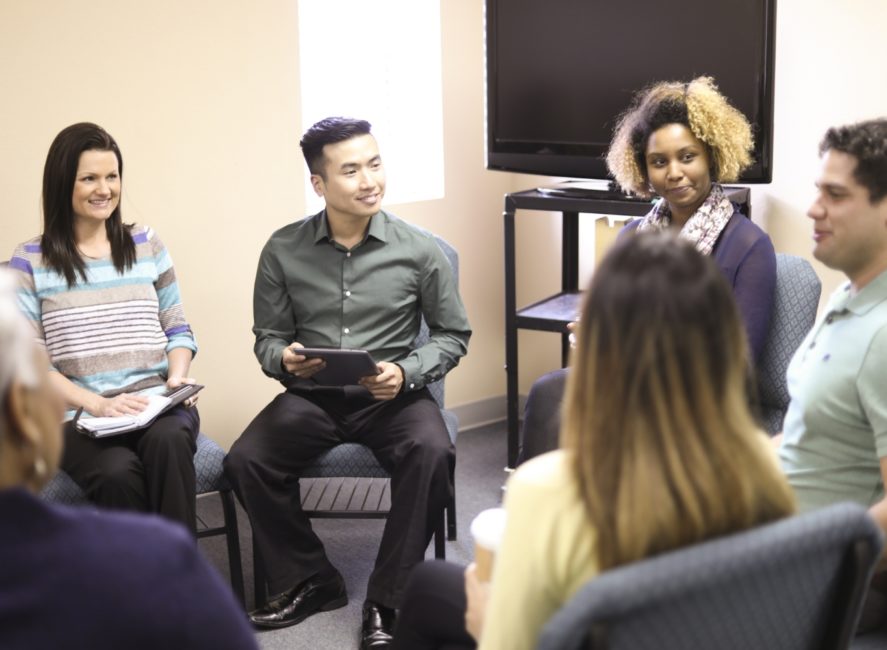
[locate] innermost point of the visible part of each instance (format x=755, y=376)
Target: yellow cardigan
x=545, y=557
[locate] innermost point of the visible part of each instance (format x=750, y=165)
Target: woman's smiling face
x=679, y=169
x=96, y=185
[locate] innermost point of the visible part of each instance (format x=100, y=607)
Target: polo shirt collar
x=869, y=297
x=377, y=229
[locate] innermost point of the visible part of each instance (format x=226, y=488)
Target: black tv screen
x=559, y=73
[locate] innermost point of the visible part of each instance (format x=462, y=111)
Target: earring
x=39, y=467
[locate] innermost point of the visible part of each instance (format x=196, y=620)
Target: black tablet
x=343, y=367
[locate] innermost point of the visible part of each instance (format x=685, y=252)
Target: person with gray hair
x=107, y=579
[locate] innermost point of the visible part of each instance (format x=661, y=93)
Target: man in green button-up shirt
x=350, y=277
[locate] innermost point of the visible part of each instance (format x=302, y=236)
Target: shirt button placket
x=346, y=293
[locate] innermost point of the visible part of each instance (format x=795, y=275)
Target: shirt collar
x=870, y=296
x=377, y=229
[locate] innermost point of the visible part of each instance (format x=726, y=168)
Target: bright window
x=379, y=61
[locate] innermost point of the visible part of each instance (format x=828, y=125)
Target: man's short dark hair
x=867, y=142
x=329, y=131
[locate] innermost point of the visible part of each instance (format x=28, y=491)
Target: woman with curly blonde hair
x=680, y=141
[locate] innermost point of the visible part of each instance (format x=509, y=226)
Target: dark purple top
x=76, y=577
x=745, y=255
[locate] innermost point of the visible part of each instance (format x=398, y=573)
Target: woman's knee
x=176, y=440
x=118, y=479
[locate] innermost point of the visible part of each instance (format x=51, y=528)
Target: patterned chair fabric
x=796, y=584
x=62, y=489
x=208, y=464
x=794, y=312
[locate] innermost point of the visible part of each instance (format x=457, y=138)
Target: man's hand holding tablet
x=298, y=364
x=338, y=367
x=387, y=384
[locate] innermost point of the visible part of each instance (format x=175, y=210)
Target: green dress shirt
x=312, y=290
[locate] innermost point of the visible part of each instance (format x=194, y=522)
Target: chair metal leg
x=232, y=536
x=440, y=551
x=451, y=518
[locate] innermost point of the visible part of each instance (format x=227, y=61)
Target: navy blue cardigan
x=745, y=255
x=76, y=577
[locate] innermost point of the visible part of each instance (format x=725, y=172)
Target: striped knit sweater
x=110, y=334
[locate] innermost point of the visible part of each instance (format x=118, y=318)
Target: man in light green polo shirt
x=834, y=441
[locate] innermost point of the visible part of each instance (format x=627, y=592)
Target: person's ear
x=318, y=184
x=20, y=412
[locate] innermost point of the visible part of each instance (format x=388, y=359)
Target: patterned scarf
x=703, y=227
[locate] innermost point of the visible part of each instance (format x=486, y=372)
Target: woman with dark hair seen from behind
x=77, y=577
x=680, y=141
x=659, y=451
x=103, y=298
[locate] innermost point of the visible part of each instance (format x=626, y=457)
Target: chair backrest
x=794, y=312
x=796, y=584
x=437, y=388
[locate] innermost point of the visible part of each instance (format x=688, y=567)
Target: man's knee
x=249, y=462
x=237, y=460
x=432, y=455
x=432, y=441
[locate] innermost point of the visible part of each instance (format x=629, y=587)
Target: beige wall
x=203, y=98
x=204, y=101
x=830, y=69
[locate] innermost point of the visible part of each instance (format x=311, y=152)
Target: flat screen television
x=559, y=73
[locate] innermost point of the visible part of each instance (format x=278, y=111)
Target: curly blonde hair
x=699, y=106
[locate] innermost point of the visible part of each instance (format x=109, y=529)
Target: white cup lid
x=487, y=528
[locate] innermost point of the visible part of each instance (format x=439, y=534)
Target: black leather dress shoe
x=294, y=606
x=377, y=628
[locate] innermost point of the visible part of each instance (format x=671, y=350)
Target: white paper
x=108, y=425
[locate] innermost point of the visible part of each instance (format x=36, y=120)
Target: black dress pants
x=150, y=470
x=408, y=437
x=433, y=613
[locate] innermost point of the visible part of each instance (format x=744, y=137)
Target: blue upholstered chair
x=210, y=480
x=797, y=584
x=335, y=485
x=794, y=312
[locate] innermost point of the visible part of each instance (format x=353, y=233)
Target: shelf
x=604, y=203
x=551, y=314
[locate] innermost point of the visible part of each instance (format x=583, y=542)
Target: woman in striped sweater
x=103, y=299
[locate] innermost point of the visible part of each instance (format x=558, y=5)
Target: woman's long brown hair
x=656, y=417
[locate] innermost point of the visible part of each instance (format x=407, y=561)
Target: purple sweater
x=76, y=577
x=745, y=255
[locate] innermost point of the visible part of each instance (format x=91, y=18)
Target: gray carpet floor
x=352, y=544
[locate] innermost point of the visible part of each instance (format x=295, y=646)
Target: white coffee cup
x=487, y=529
